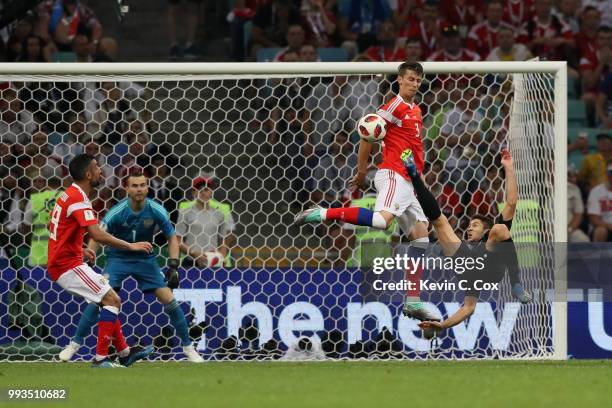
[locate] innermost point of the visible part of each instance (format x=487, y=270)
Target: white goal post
x=525, y=109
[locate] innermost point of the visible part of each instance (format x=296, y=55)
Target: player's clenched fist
x=89, y=255
x=141, y=247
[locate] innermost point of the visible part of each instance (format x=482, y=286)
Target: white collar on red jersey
x=410, y=105
x=81, y=191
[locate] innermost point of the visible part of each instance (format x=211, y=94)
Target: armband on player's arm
x=172, y=275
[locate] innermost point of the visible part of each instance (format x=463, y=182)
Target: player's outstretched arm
x=511, y=186
x=363, y=160
x=103, y=237
x=465, y=311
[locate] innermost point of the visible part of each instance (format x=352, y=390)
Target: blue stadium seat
x=62, y=56
x=576, y=113
x=325, y=54
x=572, y=90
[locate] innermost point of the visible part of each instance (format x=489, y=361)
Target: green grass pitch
x=321, y=384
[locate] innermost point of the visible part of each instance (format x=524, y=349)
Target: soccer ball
x=372, y=128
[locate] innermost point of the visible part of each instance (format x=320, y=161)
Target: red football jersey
x=70, y=218
x=518, y=12
x=404, y=132
x=483, y=38
x=429, y=40
x=384, y=54
x=463, y=55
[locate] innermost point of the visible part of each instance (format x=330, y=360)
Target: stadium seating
x=576, y=113
x=325, y=54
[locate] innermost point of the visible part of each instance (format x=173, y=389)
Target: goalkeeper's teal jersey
x=122, y=222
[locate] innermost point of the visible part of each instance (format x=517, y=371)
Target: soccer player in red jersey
x=395, y=194
x=71, y=217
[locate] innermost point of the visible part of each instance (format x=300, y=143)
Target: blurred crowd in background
x=309, y=123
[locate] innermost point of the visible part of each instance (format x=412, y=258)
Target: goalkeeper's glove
x=172, y=275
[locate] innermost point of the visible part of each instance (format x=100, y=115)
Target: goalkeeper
x=485, y=239
x=138, y=218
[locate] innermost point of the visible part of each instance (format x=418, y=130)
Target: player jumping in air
x=395, y=194
x=487, y=240
x=139, y=218
x=71, y=217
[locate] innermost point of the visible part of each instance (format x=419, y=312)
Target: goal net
x=276, y=138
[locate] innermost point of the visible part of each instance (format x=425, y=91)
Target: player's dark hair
x=410, y=66
x=78, y=166
x=487, y=222
x=133, y=172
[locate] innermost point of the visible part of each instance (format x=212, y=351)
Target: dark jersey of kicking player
x=494, y=267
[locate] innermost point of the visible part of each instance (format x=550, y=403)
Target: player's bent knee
x=420, y=230
x=111, y=298
x=387, y=216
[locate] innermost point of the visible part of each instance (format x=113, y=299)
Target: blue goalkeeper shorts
x=146, y=272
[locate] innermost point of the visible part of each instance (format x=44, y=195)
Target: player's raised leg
x=449, y=241
x=351, y=215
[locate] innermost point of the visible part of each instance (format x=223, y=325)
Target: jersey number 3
x=55, y=217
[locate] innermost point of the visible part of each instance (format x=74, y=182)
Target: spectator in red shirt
x=596, y=64
x=448, y=199
x=76, y=17
x=483, y=36
x=453, y=48
x=518, y=12
x=462, y=13
x=295, y=39
x=414, y=50
x=485, y=199
x=547, y=37
x=406, y=12
x=387, y=48
x=567, y=11
x=586, y=38
x=320, y=23
x=508, y=49
x=429, y=30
